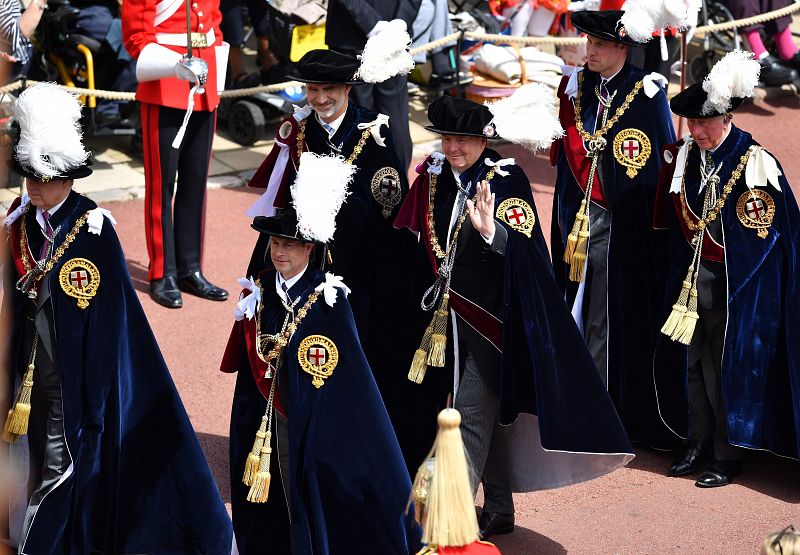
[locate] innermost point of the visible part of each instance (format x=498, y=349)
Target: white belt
x=199, y=40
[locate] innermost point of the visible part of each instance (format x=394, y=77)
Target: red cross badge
x=756, y=210
x=518, y=214
x=79, y=278
x=318, y=356
x=631, y=150
x=386, y=189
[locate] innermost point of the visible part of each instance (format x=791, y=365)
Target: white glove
x=191, y=71
x=381, y=25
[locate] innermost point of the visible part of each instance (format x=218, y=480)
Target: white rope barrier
x=485, y=37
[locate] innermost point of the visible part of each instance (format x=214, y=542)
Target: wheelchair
x=715, y=44
x=69, y=58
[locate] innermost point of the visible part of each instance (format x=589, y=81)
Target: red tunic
x=475, y=548
x=139, y=30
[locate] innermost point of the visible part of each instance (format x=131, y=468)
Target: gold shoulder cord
x=577, y=247
x=301, y=144
x=680, y=324
x=431, y=351
x=256, y=469
x=17, y=420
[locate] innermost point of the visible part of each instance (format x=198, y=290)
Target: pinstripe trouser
x=484, y=439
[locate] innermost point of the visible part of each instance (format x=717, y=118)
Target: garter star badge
x=80, y=279
x=518, y=214
x=386, y=189
x=756, y=209
x=632, y=149
x=318, y=356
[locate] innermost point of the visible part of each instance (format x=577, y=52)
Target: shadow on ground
x=525, y=542
x=216, y=450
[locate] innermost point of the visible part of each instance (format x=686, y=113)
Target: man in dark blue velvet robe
x=534, y=412
x=371, y=256
x=339, y=483
x=615, y=286
x=115, y=464
x=732, y=381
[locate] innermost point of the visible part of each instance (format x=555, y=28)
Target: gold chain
x=726, y=191
x=301, y=145
x=437, y=249
x=611, y=122
x=59, y=252
x=286, y=330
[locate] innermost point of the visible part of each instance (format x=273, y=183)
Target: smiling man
x=605, y=253
x=727, y=368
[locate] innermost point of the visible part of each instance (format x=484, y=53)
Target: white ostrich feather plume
x=50, y=135
x=318, y=192
x=641, y=18
x=386, y=55
x=734, y=76
x=528, y=117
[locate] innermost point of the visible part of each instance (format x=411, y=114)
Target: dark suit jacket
x=349, y=21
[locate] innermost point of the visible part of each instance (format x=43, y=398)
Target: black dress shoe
x=196, y=284
x=495, y=524
x=774, y=73
x=793, y=62
x=720, y=474
x=696, y=452
x=165, y=292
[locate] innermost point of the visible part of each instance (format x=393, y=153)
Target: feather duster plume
x=528, y=117
x=50, y=133
x=386, y=54
x=734, y=76
x=641, y=18
x=318, y=192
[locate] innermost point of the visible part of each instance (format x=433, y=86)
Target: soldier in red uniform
x=155, y=33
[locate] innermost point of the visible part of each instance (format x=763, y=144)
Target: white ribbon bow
x=653, y=83
x=375, y=127
x=95, y=219
x=247, y=305
x=14, y=216
x=680, y=165
x=499, y=164
x=329, y=287
x=762, y=169
x=435, y=166
x=571, y=90
x=301, y=113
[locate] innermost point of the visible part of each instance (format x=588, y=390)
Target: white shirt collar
x=606, y=80
x=333, y=126
x=53, y=210
x=279, y=281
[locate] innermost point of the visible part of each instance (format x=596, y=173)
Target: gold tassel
x=577, y=266
x=254, y=457
x=17, y=422
x=439, y=336
x=420, y=363
x=259, y=490
x=678, y=309
x=572, y=238
x=685, y=331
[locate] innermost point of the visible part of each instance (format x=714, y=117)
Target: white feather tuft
x=386, y=55
x=528, y=117
x=641, y=18
x=734, y=76
x=50, y=133
x=318, y=192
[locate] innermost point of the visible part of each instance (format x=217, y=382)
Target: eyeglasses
x=777, y=541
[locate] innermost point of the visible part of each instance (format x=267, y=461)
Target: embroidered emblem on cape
x=286, y=129
x=518, y=214
x=79, y=279
x=756, y=209
x=386, y=189
x=318, y=356
x=632, y=149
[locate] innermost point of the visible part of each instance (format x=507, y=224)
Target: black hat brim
x=276, y=226
x=689, y=103
x=591, y=23
x=81, y=171
x=433, y=129
x=305, y=80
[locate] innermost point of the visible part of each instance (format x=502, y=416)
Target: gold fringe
x=678, y=310
x=254, y=457
x=685, y=331
x=438, y=347
x=17, y=422
x=418, y=366
x=572, y=238
x=577, y=266
x=259, y=490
